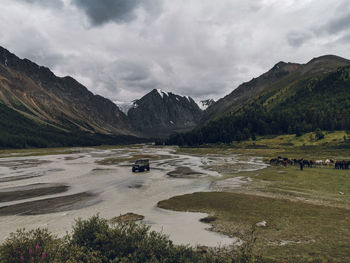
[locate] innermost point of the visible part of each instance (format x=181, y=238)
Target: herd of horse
x=337, y=164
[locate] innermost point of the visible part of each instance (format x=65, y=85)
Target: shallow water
x=116, y=190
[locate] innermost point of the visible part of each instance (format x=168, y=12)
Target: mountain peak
x=161, y=92
x=328, y=58
x=279, y=65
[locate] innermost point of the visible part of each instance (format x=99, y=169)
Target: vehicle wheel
x=133, y=170
x=143, y=169
x=147, y=168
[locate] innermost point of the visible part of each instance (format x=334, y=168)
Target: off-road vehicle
x=141, y=165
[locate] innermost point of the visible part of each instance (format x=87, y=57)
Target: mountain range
x=63, y=112
x=39, y=109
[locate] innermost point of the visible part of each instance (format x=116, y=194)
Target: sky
x=122, y=49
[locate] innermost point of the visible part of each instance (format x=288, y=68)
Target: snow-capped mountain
x=160, y=113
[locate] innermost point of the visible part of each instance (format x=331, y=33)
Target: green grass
x=306, y=146
x=312, y=231
x=318, y=185
x=290, y=140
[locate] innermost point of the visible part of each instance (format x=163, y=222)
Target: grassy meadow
x=307, y=212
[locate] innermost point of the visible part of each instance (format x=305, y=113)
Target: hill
x=306, y=97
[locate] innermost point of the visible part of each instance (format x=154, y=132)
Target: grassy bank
x=326, y=186
x=295, y=230
x=306, y=146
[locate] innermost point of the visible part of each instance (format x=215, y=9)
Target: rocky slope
x=35, y=92
x=160, y=113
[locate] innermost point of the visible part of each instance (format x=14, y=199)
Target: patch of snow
x=126, y=106
x=188, y=98
x=171, y=122
x=204, y=104
x=162, y=92
x=5, y=61
x=177, y=99
x=134, y=105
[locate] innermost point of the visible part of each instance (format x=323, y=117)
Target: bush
x=96, y=241
x=32, y=246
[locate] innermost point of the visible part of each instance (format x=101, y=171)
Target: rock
x=129, y=217
x=341, y=193
x=261, y=224
x=184, y=172
x=208, y=219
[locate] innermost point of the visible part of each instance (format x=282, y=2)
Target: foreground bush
x=95, y=240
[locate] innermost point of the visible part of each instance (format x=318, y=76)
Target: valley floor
x=307, y=212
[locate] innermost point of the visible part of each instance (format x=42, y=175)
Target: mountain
x=160, y=113
x=45, y=103
x=205, y=104
x=289, y=98
x=280, y=75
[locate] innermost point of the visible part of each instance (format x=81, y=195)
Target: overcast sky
x=122, y=49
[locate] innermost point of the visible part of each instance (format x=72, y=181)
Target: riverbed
x=52, y=191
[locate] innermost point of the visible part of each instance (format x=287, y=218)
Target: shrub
x=96, y=241
x=32, y=246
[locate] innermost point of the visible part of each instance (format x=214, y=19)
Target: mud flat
x=30, y=191
x=50, y=205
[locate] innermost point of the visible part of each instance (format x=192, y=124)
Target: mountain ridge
x=59, y=101
x=280, y=72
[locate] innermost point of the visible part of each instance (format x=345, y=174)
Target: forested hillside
x=321, y=101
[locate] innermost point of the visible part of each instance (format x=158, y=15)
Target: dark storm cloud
x=119, y=11
x=339, y=24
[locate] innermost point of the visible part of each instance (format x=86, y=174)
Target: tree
x=319, y=134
